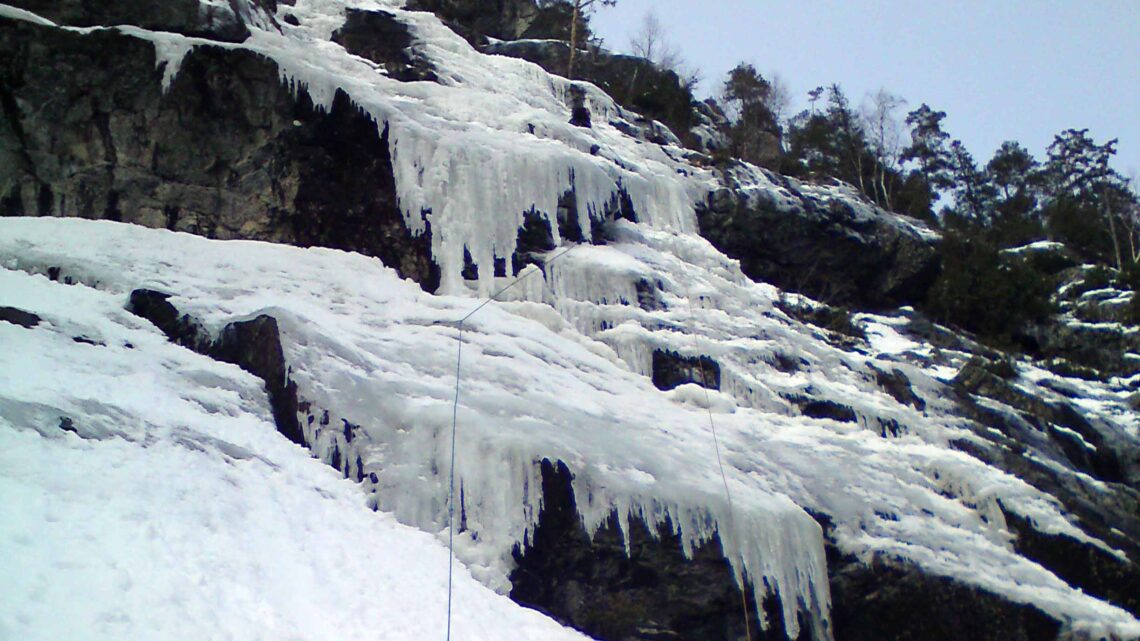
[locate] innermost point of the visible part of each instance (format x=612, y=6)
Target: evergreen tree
x=1015, y=178
x=1088, y=200
x=928, y=149
x=755, y=135
x=973, y=193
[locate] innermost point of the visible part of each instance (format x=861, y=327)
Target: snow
x=379, y=352
x=176, y=511
x=1037, y=246
x=559, y=371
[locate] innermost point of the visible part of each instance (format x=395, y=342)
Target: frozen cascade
x=471, y=154
x=474, y=184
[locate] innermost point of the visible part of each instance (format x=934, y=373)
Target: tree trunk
x=573, y=37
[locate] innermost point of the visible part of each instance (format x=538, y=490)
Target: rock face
x=227, y=152
x=632, y=82
x=477, y=20
x=671, y=369
x=378, y=36
x=190, y=17
x=891, y=601
x=653, y=592
x=819, y=246
x=1104, y=347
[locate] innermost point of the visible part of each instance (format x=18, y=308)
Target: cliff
x=880, y=477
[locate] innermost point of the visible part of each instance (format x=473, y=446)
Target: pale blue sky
x=1005, y=69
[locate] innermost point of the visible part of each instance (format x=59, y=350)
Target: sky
x=1020, y=70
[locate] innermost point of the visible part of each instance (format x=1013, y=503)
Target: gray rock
x=822, y=248
x=187, y=17
x=379, y=37
x=227, y=152
x=18, y=317
x=671, y=369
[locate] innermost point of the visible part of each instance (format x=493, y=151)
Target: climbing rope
x=720, y=465
x=454, y=424
x=455, y=421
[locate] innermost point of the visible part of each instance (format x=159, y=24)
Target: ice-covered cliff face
x=862, y=434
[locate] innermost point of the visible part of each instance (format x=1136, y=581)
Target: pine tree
x=755, y=134
x=928, y=149
x=1083, y=188
x=1016, y=181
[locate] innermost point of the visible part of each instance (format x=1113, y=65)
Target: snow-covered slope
x=558, y=368
x=145, y=494
x=380, y=353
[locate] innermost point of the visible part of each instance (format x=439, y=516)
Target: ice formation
x=559, y=371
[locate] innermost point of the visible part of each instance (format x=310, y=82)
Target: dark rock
x=569, y=227
x=898, y=386
x=179, y=328
x=787, y=363
x=1082, y=565
x=888, y=600
x=1109, y=512
x=228, y=152
x=634, y=83
x=1079, y=441
x=67, y=424
x=833, y=319
x=187, y=17
x=255, y=346
x=653, y=593
x=671, y=369
x=534, y=237
x=1099, y=346
x=579, y=112
x=648, y=295
x=821, y=408
x=18, y=317
x=477, y=20
x=824, y=249
x=381, y=38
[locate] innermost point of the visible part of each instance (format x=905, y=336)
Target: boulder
x=19, y=317
x=179, y=328
x=255, y=346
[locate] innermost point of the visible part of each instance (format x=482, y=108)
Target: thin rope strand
x=455, y=422
x=451, y=481
x=723, y=476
